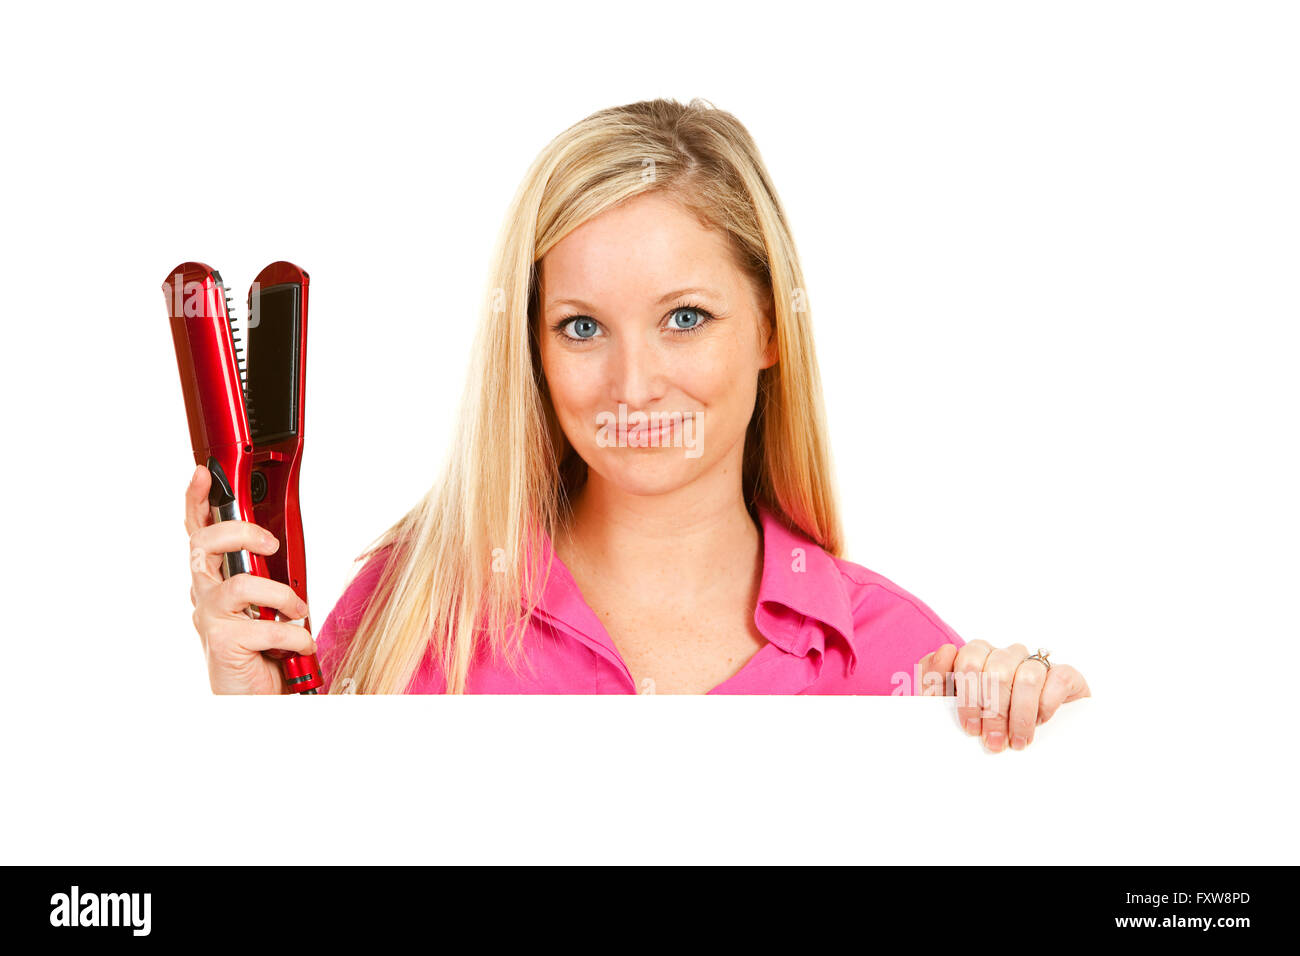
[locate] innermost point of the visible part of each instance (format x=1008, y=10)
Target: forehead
x=641, y=247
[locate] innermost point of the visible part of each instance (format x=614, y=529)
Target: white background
x=1051, y=260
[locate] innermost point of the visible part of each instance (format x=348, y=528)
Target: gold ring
x=1041, y=655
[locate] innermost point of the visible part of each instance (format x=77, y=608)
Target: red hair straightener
x=246, y=414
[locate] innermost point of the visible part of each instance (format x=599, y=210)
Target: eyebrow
x=663, y=300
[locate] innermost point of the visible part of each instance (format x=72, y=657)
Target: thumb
x=933, y=667
x=197, y=514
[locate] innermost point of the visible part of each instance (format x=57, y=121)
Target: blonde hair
x=463, y=570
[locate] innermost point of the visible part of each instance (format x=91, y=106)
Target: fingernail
x=994, y=741
x=302, y=608
x=973, y=727
x=271, y=543
x=1018, y=742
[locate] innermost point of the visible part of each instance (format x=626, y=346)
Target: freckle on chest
x=682, y=653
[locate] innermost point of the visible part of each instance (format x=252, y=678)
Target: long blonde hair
x=463, y=570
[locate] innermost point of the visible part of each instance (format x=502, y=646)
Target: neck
x=648, y=546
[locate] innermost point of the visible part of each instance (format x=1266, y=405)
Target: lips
x=646, y=435
x=657, y=429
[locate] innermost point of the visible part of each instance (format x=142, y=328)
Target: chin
x=646, y=472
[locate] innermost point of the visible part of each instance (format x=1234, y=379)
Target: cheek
x=723, y=374
x=569, y=379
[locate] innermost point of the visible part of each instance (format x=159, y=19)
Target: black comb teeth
x=241, y=362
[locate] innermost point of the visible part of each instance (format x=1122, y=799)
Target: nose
x=637, y=374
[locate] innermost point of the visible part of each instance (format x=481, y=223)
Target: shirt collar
x=801, y=597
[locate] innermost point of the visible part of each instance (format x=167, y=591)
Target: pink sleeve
x=336, y=634
x=945, y=634
x=895, y=630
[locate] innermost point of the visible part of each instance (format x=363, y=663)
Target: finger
x=1025, y=694
x=223, y=536
x=249, y=590
x=215, y=540
x=966, y=675
x=995, y=690
x=935, y=667
x=1062, y=685
x=269, y=636
x=197, y=512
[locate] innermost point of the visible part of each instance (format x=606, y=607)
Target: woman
x=639, y=497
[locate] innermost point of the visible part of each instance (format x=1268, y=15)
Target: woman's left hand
x=1001, y=696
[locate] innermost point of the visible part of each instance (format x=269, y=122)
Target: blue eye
x=686, y=318
x=582, y=327
x=683, y=320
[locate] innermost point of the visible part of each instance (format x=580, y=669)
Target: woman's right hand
x=232, y=641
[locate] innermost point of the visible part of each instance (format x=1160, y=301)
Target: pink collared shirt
x=832, y=627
